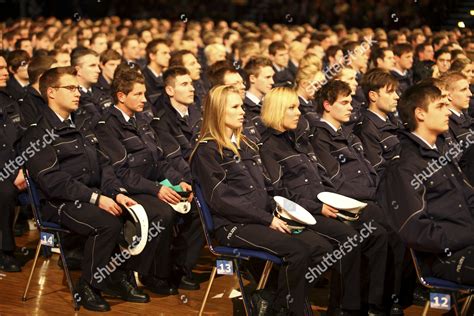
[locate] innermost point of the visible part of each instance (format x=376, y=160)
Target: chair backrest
x=204, y=213
x=34, y=198
x=418, y=267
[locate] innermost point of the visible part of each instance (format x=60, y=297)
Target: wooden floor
x=49, y=295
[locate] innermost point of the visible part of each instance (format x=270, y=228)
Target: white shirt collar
x=182, y=114
x=458, y=114
x=125, y=115
x=424, y=141
x=153, y=72
x=399, y=72
x=252, y=97
x=233, y=139
x=305, y=101
x=63, y=119
x=278, y=68
x=85, y=90
x=381, y=117
x=330, y=124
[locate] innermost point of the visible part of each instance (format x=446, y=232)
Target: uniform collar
x=252, y=97
x=125, y=115
x=425, y=142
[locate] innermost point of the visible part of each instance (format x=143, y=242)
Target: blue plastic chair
x=453, y=288
x=46, y=227
x=230, y=253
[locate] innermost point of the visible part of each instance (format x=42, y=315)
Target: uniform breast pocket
x=68, y=148
x=139, y=159
x=439, y=183
x=390, y=144
x=294, y=171
x=133, y=144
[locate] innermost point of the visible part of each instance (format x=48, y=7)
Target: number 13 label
x=440, y=301
x=224, y=267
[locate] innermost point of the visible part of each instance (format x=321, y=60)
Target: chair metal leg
x=247, y=303
x=17, y=212
x=38, y=248
x=211, y=280
x=467, y=304
x=454, y=297
x=426, y=309
x=265, y=274
x=68, y=275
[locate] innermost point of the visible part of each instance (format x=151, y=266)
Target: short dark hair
x=441, y=51
x=38, y=65
x=217, y=72
x=255, y=65
x=378, y=53
x=80, y=52
x=400, y=49
x=169, y=76
x=51, y=78
x=96, y=36
x=20, y=41
x=330, y=92
x=108, y=55
x=459, y=64
x=275, y=47
x=417, y=96
x=176, y=59
x=152, y=47
x=124, y=80
x=377, y=78
x=18, y=58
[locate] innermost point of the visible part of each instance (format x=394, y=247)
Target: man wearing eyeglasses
x=78, y=189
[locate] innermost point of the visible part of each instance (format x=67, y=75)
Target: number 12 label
x=440, y=301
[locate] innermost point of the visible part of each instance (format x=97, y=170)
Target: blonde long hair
x=275, y=104
x=213, y=124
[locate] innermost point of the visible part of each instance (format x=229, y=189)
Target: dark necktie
x=133, y=121
x=69, y=123
x=186, y=119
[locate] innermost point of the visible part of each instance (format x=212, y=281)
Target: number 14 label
x=224, y=267
x=47, y=239
x=440, y=301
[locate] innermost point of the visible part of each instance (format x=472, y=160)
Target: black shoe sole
x=94, y=309
x=126, y=299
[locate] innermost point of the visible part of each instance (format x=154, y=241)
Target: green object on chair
x=168, y=184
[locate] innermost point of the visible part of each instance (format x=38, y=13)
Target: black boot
x=8, y=263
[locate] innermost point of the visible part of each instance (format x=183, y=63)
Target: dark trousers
x=155, y=259
x=102, y=231
x=299, y=253
x=8, y=194
x=364, y=238
x=457, y=267
x=189, y=241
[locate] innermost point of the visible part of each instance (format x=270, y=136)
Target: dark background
x=357, y=13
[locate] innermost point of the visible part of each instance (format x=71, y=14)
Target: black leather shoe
x=376, y=311
x=8, y=263
x=90, y=298
x=158, y=286
x=124, y=290
x=188, y=283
